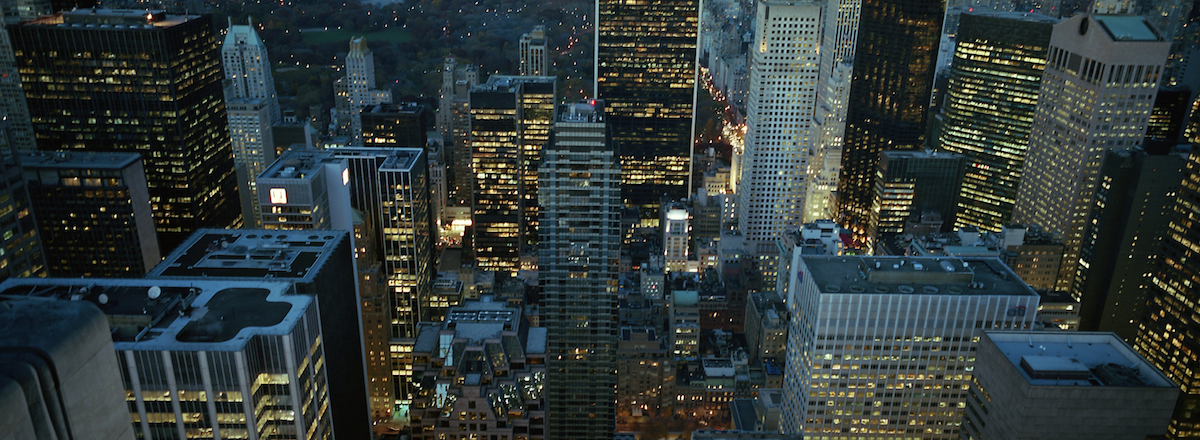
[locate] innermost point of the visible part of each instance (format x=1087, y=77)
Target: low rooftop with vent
x=901, y=275
x=1076, y=359
x=250, y=253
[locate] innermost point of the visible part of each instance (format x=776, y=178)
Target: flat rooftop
x=78, y=160
x=1127, y=28
x=250, y=253
x=180, y=315
x=918, y=276
x=297, y=164
x=389, y=159
x=1076, y=359
x=130, y=18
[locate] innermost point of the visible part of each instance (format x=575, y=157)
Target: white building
x=248, y=69
x=783, y=76
x=1098, y=90
x=535, y=61
x=675, y=240
x=357, y=88
x=252, y=108
x=884, y=347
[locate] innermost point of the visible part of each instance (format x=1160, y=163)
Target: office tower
x=1171, y=106
x=375, y=295
x=1166, y=331
x=498, y=377
x=199, y=358
x=305, y=189
x=316, y=264
x=579, y=255
x=248, y=68
x=1097, y=92
x=252, y=138
x=675, y=239
x=71, y=387
x=646, y=62
x=910, y=184
x=21, y=242
x=535, y=60
x=356, y=90
x=454, y=123
x=510, y=124
x=178, y=124
x=894, y=62
x=839, y=37
x=395, y=125
x=93, y=212
x=1134, y=196
x=988, y=109
x=784, y=67
x=13, y=108
x=901, y=332
x=391, y=189
x=1065, y=385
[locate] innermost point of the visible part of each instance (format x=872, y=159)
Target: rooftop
x=393, y=159
x=121, y=18
x=1076, y=359
x=250, y=253
x=586, y=111
x=297, y=164
x=144, y=314
x=78, y=160
x=904, y=275
x=1127, y=28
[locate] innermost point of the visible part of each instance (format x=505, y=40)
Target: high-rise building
x=839, y=38
x=177, y=119
x=483, y=362
x=201, y=359
x=390, y=187
x=896, y=337
x=675, y=240
x=646, y=62
x=1097, y=91
x=93, y=212
x=1171, y=108
x=535, y=60
x=910, y=184
x=783, y=78
x=13, y=109
x=248, y=68
x=356, y=90
x=1064, y=385
x=320, y=265
x=305, y=189
x=21, y=242
x=454, y=123
x=1134, y=195
x=988, y=109
x=579, y=262
x=1166, y=332
x=894, y=62
x=510, y=124
x=252, y=138
x=395, y=125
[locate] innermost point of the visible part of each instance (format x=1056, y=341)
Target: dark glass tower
x=1168, y=335
x=646, y=73
x=137, y=81
x=988, y=110
x=889, y=96
x=579, y=255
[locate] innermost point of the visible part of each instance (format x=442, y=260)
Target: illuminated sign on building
x=278, y=196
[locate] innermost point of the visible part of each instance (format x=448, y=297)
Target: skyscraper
x=886, y=344
x=394, y=125
x=579, y=256
x=894, y=62
x=1097, y=92
x=783, y=78
x=93, y=212
x=646, y=61
x=535, y=61
x=1166, y=332
x=248, y=68
x=510, y=123
x=305, y=189
x=13, y=108
x=144, y=82
x=23, y=254
x=253, y=109
x=910, y=184
x=356, y=90
x=454, y=123
x=988, y=109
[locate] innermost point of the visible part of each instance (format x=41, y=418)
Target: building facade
x=988, y=110
x=884, y=346
x=395, y=125
x=535, y=60
x=177, y=118
x=305, y=189
x=93, y=212
x=356, y=90
x=579, y=262
x=1097, y=93
x=910, y=184
x=646, y=61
